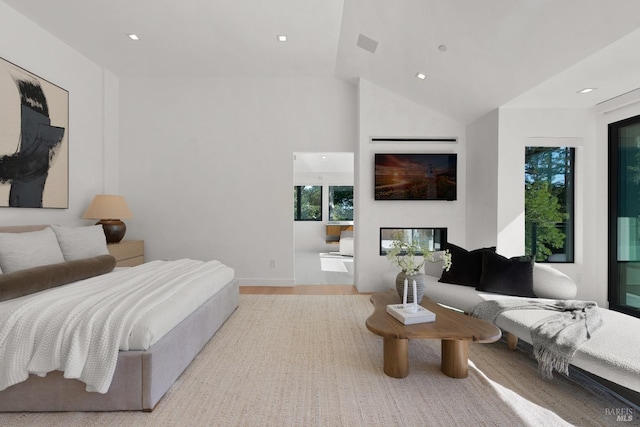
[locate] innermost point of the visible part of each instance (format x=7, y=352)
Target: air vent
x=414, y=140
x=367, y=44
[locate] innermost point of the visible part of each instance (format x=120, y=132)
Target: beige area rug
x=291, y=360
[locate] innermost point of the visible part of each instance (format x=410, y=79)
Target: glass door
x=624, y=216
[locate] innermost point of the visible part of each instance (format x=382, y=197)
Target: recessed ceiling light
x=587, y=90
x=133, y=37
x=282, y=38
x=421, y=76
x=442, y=48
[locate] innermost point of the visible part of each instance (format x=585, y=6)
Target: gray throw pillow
x=19, y=251
x=81, y=242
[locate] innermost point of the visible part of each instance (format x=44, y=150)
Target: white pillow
x=434, y=268
x=81, y=242
x=551, y=283
x=19, y=251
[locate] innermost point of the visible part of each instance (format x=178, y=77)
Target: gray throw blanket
x=555, y=338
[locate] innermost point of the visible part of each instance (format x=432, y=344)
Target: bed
x=141, y=377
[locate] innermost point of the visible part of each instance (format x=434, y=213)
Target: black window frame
x=570, y=196
x=331, y=193
x=297, y=212
x=439, y=234
x=614, y=295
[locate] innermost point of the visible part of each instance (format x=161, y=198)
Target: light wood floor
x=301, y=290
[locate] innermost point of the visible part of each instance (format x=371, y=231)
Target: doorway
x=323, y=218
x=624, y=216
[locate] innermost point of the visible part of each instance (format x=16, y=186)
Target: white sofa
x=612, y=353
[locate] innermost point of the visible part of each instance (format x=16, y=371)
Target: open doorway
x=323, y=218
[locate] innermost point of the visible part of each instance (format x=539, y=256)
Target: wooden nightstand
x=127, y=253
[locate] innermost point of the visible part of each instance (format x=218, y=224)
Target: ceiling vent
x=367, y=44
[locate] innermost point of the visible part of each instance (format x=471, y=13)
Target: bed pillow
x=19, y=251
x=36, y=279
x=509, y=276
x=81, y=242
x=466, y=266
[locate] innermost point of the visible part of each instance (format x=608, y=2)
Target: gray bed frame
x=141, y=377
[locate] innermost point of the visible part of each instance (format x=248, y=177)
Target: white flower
x=411, y=256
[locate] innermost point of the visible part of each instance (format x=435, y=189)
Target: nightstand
x=127, y=253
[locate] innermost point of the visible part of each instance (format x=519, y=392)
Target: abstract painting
x=34, y=123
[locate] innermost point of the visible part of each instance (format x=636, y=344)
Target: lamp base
x=114, y=229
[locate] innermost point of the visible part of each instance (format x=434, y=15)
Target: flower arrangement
x=410, y=256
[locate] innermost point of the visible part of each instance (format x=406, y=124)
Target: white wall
x=482, y=181
x=553, y=127
x=207, y=164
x=383, y=113
x=93, y=111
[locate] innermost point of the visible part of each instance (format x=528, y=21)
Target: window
x=341, y=203
x=624, y=216
x=549, y=196
x=307, y=203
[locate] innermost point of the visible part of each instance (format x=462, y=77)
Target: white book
x=408, y=317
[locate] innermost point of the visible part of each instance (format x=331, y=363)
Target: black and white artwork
x=34, y=122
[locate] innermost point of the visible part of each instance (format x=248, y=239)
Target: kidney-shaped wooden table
x=454, y=329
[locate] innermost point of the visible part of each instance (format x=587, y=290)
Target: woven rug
x=302, y=360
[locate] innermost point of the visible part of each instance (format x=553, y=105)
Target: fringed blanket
x=555, y=338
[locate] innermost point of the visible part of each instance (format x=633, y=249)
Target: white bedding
x=154, y=324
x=78, y=328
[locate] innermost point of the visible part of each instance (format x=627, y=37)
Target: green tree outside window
x=341, y=203
x=549, y=195
x=307, y=203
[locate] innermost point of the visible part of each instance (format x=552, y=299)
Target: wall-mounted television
x=416, y=176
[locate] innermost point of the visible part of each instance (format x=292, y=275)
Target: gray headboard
x=21, y=228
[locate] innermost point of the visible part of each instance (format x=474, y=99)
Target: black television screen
x=416, y=176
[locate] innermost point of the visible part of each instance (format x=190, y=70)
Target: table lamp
x=109, y=210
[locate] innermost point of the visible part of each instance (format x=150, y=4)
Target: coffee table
x=454, y=329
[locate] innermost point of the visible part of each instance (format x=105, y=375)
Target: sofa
x=613, y=352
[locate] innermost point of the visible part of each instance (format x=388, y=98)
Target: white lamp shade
x=107, y=206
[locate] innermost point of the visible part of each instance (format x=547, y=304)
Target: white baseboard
x=266, y=282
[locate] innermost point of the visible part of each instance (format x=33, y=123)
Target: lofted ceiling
x=494, y=52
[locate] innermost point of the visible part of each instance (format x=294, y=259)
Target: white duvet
x=80, y=327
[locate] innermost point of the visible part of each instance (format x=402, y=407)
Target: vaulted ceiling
x=476, y=55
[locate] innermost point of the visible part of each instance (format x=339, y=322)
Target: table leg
x=455, y=358
x=396, y=357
